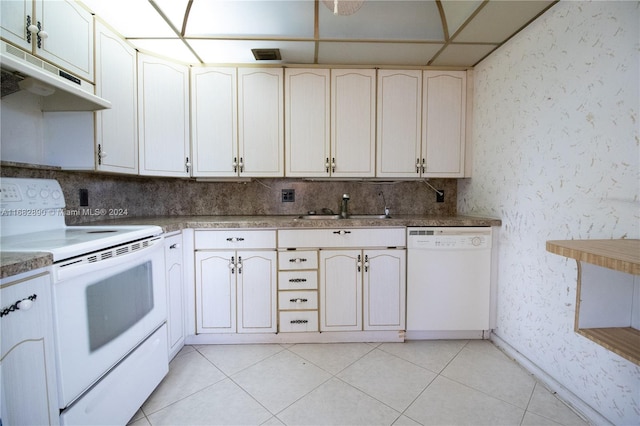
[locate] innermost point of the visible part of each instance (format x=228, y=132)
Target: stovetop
x=75, y=241
x=32, y=220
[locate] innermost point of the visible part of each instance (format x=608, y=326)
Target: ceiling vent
x=266, y=54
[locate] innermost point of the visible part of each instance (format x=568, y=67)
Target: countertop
x=15, y=263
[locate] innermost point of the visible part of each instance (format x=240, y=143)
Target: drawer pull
x=298, y=300
x=24, y=304
x=299, y=321
x=235, y=239
x=297, y=260
x=342, y=232
x=297, y=280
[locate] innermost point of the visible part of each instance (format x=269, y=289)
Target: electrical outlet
x=288, y=195
x=440, y=196
x=84, y=197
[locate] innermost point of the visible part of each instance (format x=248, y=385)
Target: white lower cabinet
x=384, y=289
x=362, y=278
x=235, y=289
x=27, y=364
x=175, y=279
x=362, y=286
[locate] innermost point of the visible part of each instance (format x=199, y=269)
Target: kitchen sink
x=320, y=216
x=337, y=216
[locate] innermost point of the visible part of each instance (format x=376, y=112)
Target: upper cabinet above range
x=60, y=32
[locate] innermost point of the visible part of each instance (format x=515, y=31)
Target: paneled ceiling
x=450, y=33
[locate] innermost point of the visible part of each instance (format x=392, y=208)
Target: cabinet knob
x=342, y=232
x=298, y=300
x=174, y=246
x=33, y=28
x=43, y=34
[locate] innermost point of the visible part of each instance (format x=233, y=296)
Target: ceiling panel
x=380, y=32
x=498, y=20
x=457, y=12
x=141, y=19
x=462, y=54
x=377, y=53
x=168, y=48
x=247, y=18
x=239, y=51
x=384, y=20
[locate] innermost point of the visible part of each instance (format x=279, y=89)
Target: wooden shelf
x=625, y=341
x=617, y=255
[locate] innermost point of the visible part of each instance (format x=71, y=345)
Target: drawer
x=342, y=237
x=293, y=321
x=297, y=280
x=235, y=239
x=297, y=259
x=297, y=300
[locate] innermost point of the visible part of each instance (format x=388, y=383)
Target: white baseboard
x=582, y=409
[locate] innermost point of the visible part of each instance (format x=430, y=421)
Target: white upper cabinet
x=399, y=123
x=214, y=122
x=307, y=131
x=260, y=122
x=443, y=123
x=353, y=121
x=116, y=128
x=163, y=113
x=59, y=31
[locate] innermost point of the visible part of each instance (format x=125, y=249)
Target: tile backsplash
x=148, y=196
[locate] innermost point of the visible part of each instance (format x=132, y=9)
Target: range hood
x=59, y=90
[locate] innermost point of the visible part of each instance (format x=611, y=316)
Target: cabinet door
x=340, y=290
x=27, y=366
x=15, y=17
x=353, y=115
x=214, y=122
x=69, y=40
x=174, y=274
x=307, y=131
x=257, y=285
x=163, y=104
x=399, y=123
x=444, y=116
x=260, y=122
x=116, y=128
x=215, y=292
x=384, y=289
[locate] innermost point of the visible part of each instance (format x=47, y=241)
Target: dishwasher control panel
x=449, y=238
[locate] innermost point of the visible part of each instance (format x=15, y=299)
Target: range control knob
x=476, y=241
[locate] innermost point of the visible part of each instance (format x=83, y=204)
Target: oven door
x=105, y=305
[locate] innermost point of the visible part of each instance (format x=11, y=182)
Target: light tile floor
x=418, y=382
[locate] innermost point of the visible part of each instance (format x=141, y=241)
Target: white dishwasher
x=448, y=282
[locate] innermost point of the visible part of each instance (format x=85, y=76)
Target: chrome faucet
x=344, y=212
x=386, y=208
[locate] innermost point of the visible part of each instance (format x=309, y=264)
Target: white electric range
x=109, y=302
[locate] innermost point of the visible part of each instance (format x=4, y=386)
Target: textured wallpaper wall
x=556, y=140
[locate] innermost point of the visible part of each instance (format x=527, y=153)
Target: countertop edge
x=621, y=255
